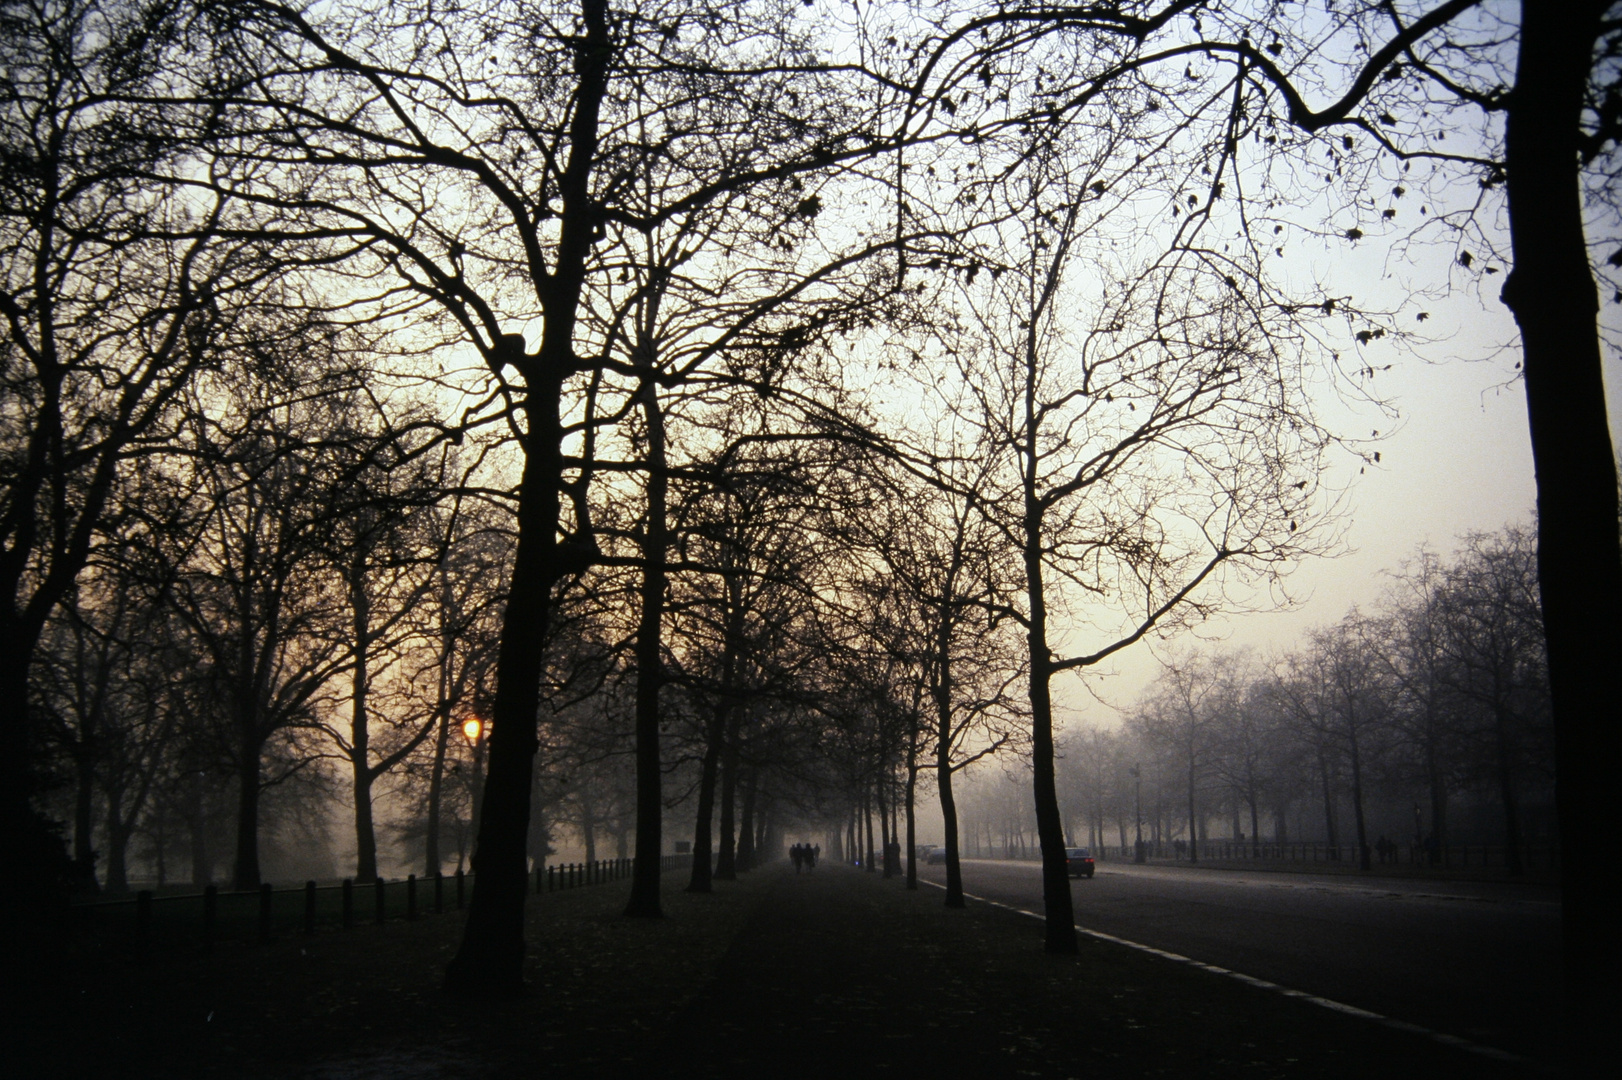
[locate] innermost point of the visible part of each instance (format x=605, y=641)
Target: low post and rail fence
x=261, y=915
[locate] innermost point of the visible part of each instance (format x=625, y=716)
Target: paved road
x=1477, y=960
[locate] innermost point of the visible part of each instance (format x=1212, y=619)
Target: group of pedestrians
x=805, y=856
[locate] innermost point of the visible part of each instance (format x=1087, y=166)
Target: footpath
x=832, y=973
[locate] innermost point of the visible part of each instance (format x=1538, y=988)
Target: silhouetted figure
x=815, y=853
x=797, y=853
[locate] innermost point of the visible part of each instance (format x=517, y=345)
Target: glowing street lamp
x=474, y=729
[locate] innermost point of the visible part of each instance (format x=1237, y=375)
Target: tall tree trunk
x=703, y=826
x=912, y=795
x=1059, y=916
x=84, y=811
x=867, y=817
x=748, y=842
x=41, y=848
x=433, y=859
x=1193, y=815
x=1438, y=792
x=726, y=861
x=588, y=828
x=117, y=868
x=770, y=842
x=943, y=778
x=538, y=841
x=490, y=962
x=1552, y=294
x=1506, y=792
x=1255, y=823
x=161, y=847
x=360, y=732
x=1357, y=797
x=118, y=831
x=1329, y=799
x=245, y=871
x=202, y=867
x=650, y=807
x=886, y=833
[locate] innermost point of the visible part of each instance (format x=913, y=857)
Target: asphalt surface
x=1475, y=960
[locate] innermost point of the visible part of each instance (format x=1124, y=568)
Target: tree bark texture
x=943, y=779
x=748, y=842
x=490, y=961
x=704, y=825
x=1552, y=294
x=912, y=824
x=245, y=870
x=726, y=861
x=491, y=958
x=360, y=731
x=1193, y=813
x=644, y=899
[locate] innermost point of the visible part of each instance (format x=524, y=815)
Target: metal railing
x=205, y=918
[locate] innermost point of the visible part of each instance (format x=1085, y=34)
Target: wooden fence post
x=459, y=890
x=349, y=904
x=309, y=907
x=211, y=903
x=382, y=902
x=264, y=913
x=411, y=898
x=439, y=892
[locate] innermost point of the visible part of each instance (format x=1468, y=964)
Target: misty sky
x=1459, y=459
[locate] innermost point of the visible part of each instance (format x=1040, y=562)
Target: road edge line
x=1455, y=1041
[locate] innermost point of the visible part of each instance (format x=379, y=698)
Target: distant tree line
x=1378, y=726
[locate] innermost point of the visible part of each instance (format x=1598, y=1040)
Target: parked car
x=1078, y=862
x=936, y=857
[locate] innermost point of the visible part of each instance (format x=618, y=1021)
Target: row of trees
x=622, y=260
x=1440, y=694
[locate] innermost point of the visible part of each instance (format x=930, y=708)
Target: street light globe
x=472, y=727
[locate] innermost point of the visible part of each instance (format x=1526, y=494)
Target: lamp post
x=1138, y=855
x=474, y=730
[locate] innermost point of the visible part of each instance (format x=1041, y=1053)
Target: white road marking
x=1222, y=877
x=1263, y=984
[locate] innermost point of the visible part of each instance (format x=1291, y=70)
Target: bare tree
x=1338, y=691
x=1425, y=709
x=1155, y=449
x=1182, y=718
x=115, y=289
x=1492, y=640
x=944, y=573
x=253, y=588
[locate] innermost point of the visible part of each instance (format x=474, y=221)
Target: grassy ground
x=834, y=973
